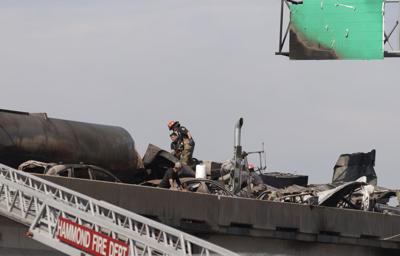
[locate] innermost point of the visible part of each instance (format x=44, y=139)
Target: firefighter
x=176, y=145
x=171, y=178
x=187, y=140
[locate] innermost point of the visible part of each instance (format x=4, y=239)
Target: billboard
x=337, y=29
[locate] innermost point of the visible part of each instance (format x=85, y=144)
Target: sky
x=138, y=64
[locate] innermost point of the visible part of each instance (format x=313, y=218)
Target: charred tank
x=26, y=136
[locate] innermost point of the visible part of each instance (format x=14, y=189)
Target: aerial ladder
x=76, y=224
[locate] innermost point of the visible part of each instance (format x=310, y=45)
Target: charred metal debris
x=47, y=146
x=353, y=186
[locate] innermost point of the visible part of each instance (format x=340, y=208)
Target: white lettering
x=99, y=244
x=117, y=249
x=74, y=234
x=94, y=242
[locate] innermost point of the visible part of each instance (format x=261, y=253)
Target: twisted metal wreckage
x=353, y=186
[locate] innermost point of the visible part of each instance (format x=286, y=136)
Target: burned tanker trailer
x=30, y=136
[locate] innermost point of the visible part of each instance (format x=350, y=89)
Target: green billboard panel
x=337, y=29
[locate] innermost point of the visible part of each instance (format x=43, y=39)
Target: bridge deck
x=253, y=226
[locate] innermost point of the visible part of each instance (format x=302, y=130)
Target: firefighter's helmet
x=172, y=124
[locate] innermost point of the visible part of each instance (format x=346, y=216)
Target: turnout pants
x=187, y=153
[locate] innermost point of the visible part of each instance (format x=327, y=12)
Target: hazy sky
x=139, y=64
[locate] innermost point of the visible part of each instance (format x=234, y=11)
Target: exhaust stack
x=236, y=180
x=238, y=133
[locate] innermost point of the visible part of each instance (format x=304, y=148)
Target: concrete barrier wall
x=208, y=214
